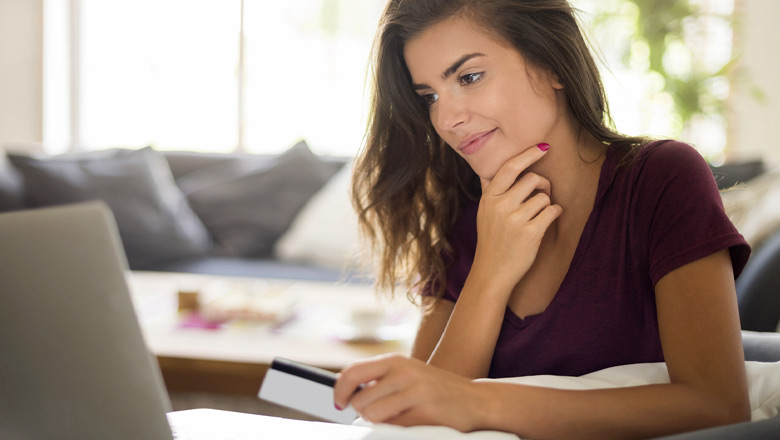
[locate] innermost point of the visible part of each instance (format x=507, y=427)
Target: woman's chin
x=485, y=173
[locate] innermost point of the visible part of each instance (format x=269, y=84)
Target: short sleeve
x=684, y=211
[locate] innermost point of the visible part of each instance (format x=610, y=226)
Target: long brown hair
x=409, y=187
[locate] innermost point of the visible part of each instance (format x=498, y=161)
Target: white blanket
x=763, y=386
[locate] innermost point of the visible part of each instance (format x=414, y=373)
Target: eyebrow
x=450, y=70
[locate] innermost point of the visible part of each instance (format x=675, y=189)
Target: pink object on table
x=195, y=320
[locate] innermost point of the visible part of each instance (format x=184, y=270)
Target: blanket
x=763, y=386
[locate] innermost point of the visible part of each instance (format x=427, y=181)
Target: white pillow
x=763, y=388
x=325, y=231
x=763, y=380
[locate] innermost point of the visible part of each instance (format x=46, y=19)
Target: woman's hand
x=512, y=220
x=403, y=391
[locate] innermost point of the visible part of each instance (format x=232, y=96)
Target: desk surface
x=311, y=334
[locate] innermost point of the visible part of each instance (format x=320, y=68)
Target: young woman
x=540, y=240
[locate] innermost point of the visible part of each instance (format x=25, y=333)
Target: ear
x=551, y=79
x=555, y=82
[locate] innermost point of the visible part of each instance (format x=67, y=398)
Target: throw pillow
x=247, y=204
x=11, y=188
x=754, y=207
x=325, y=232
x=155, y=222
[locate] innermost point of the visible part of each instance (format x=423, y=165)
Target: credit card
x=304, y=388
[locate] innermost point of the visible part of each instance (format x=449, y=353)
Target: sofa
x=288, y=215
x=224, y=214
x=751, y=197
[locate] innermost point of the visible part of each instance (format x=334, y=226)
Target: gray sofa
x=223, y=213
x=751, y=195
x=184, y=211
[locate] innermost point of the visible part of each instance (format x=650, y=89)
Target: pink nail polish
x=544, y=146
x=337, y=406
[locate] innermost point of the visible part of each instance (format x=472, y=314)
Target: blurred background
x=255, y=76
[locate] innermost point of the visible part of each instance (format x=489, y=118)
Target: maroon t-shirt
x=659, y=213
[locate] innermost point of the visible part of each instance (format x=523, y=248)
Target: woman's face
x=484, y=100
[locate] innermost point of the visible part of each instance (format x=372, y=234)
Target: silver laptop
x=73, y=363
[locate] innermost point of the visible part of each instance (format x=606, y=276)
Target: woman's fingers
x=525, y=187
x=386, y=406
x=377, y=391
x=509, y=171
x=524, y=200
x=544, y=219
x=406, y=391
x=533, y=206
x=362, y=372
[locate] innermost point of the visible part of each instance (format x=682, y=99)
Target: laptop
x=73, y=362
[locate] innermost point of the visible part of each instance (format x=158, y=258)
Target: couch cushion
x=155, y=222
x=754, y=207
x=325, y=232
x=761, y=346
x=186, y=162
x=11, y=188
x=248, y=204
x=730, y=174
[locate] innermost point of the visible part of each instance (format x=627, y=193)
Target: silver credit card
x=304, y=388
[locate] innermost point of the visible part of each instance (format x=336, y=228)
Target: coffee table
x=232, y=357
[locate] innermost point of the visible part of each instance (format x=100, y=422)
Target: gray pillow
x=11, y=188
x=155, y=222
x=248, y=204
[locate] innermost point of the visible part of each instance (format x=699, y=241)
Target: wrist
x=485, y=407
x=487, y=282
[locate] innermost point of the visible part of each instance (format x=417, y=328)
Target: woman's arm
x=702, y=345
x=469, y=338
x=701, y=339
x=436, y=313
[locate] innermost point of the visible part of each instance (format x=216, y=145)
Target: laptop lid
x=73, y=363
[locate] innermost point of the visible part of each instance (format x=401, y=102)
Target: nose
x=449, y=113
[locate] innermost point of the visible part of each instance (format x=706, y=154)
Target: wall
x=754, y=124
x=21, y=42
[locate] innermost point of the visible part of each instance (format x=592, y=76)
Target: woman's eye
x=430, y=98
x=470, y=78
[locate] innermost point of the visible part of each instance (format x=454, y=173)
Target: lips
x=473, y=143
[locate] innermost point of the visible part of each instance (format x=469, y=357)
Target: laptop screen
x=74, y=363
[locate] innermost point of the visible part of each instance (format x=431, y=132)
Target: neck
x=573, y=166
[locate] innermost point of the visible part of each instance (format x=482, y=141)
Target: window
x=254, y=75
x=311, y=86
x=177, y=74
x=159, y=72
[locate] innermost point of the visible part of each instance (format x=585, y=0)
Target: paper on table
x=389, y=432
x=215, y=424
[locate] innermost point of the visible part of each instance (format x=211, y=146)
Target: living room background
x=170, y=73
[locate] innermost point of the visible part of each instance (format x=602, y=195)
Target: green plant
x=663, y=24
x=682, y=49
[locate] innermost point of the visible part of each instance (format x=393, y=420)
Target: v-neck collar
x=605, y=182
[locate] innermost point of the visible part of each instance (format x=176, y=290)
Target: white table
x=234, y=357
